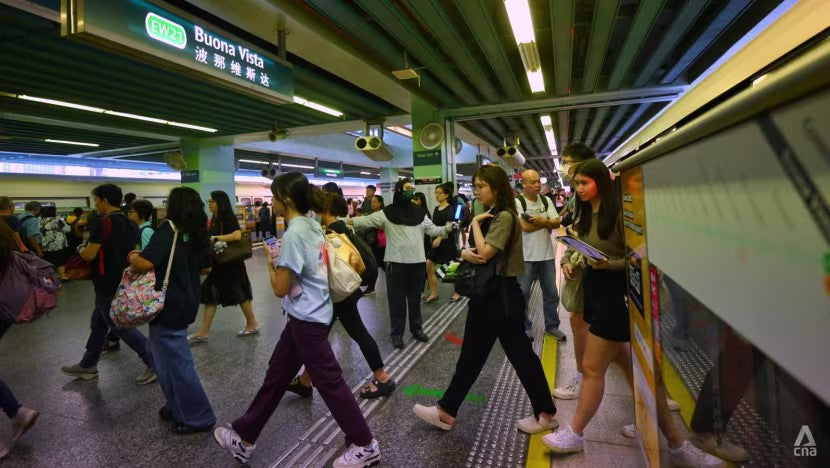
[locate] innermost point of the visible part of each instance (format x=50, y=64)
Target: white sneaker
x=689, y=456
x=568, y=392
x=629, y=430
x=356, y=456
x=429, y=414
x=531, y=425
x=673, y=405
x=229, y=440
x=726, y=450
x=563, y=440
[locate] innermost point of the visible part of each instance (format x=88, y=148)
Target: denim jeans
x=100, y=324
x=545, y=272
x=183, y=393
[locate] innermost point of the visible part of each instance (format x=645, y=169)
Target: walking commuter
x=264, y=220
x=499, y=315
x=300, y=279
x=441, y=249
x=404, y=225
x=186, y=404
x=334, y=206
x=376, y=238
x=140, y=212
x=599, y=224
x=112, y=236
x=29, y=228
x=55, y=245
x=22, y=417
x=227, y=284
x=538, y=219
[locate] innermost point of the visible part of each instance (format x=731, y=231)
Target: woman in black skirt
x=227, y=284
x=441, y=250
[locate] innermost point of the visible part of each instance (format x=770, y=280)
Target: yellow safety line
x=538, y=456
x=678, y=391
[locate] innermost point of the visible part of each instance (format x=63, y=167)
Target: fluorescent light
x=317, y=107
x=254, y=161
x=557, y=164
x=759, y=79
x=55, y=102
x=547, y=125
x=518, y=12
x=401, y=131
x=365, y=173
x=536, y=81
x=546, y=121
x=459, y=175
x=67, y=142
x=99, y=110
x=135, y=116
x=298, y=166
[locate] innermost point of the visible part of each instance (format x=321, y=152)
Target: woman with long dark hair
x=186, y=404
x=405, y=225
x=441, y=249
x=499, y=315
x=376, y=238
x=334, y=207
x=599, y=223
x=227, y=284
x=300, y=279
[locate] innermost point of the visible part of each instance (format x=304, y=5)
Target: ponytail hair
x=294, y=188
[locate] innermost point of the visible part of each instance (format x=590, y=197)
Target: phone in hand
x=273, y=247
x=525, y=216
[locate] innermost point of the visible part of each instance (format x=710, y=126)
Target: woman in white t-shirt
x=299, y=276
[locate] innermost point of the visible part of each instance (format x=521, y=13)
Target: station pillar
x=210, y=166
x=388, y=179
x=436, y=165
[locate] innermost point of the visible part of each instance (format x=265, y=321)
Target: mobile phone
x=458, y=211
x=525, y=216
x=273, y=248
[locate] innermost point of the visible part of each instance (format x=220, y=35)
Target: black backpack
x=366, y=254
x=523, y=202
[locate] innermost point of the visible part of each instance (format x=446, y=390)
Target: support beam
x=83, y=126
x=579, y=101
x=127, y=152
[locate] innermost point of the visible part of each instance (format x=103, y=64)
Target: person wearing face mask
x=571, y=156
x=405, y=225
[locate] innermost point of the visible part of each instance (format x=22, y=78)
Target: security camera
x=278, y=134
x=511, y=155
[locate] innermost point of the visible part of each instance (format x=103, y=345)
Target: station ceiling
x=466, y=55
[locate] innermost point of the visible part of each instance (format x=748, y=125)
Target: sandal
x=455, y=299
x=383, y=389
x=427, y=300
x=246, y=332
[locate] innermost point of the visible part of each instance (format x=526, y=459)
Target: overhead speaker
x=431, y=135
x=175, y=160
x=278, y=134
x=459, y=145
x=269, y=172
x=373, y=148
x=511, y=155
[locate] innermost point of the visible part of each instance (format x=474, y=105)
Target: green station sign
x=332, y=173
x=167, y=37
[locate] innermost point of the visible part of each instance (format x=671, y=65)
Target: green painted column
x=213, y=159
x=436, y=165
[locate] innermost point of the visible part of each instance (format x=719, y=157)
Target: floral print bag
x=136, y=301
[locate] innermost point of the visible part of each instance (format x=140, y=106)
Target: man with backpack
x=538, y=218
x=111, y=238
x=29, y=228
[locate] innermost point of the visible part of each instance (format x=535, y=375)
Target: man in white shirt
x=538, y=218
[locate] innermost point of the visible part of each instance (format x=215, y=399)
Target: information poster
x=640, y=314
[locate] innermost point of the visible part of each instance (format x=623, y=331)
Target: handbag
x=478, y=280
x=236, y=251
x=570, y=295
x=136, y=301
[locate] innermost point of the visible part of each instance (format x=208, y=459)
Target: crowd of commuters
x=514, y=230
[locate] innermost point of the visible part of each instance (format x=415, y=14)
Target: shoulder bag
x=478, y=280
x=236, y=251
x=136, y=301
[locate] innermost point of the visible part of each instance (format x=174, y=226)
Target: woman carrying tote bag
x=186, y=404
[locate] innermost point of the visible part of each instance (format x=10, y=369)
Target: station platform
x=111, y=421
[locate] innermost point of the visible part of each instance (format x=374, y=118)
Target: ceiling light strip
x=521, y=22
x=67, y=142
x=317, y=107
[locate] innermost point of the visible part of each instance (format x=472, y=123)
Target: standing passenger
x=55, y=244
x=185, y=401
x=29, y=228
x=404, y=224
x=140, y=213
x=299, y=276
x=227, y=284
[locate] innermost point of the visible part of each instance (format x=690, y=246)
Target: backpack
x=30, y=288
x=22, y=232
x=369, y=260
x=524, y=202
x=344, y=266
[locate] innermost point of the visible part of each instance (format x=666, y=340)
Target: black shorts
x=605, y=310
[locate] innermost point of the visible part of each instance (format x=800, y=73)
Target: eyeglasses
x=210, y=200
x=478, y=187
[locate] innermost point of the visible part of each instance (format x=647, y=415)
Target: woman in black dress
x=227, y=284
x=441, y=249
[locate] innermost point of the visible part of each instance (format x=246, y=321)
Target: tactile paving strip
x=323, y=441
x=746, y=428
x=498, y=442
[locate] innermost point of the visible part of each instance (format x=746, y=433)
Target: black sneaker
x=165, y=414
x=420, y=336
x=397, y=342
x=297, y=387
x=179, y=427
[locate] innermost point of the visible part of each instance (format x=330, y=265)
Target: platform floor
x=112, y=422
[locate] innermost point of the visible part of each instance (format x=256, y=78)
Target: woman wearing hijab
x=405, y=225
